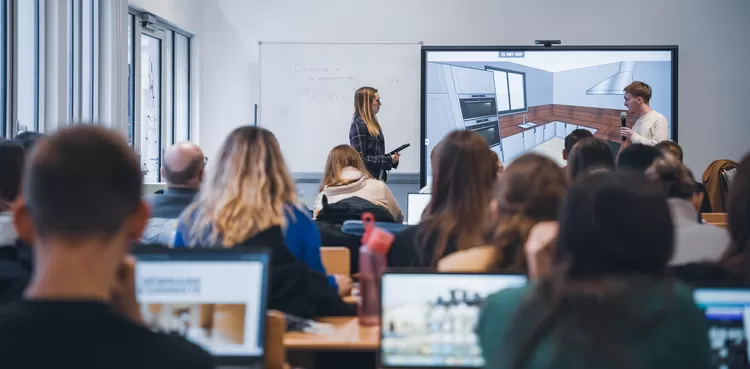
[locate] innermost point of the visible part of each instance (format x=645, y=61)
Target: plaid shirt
x=371, y=148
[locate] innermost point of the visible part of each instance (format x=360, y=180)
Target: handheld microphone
x=623, y=121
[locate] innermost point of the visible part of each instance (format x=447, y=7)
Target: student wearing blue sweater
x=248, y=190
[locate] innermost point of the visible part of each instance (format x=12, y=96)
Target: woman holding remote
x=366, y=136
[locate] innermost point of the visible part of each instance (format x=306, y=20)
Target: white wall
x=712, y=37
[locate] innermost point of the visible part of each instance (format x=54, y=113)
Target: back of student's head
x=670, y=148
x=737, y=256
x=638, y=157
x=529, y=191
x=247, y=190
x=615, y=223
x=615, y=238
x=11, y=167
x=677, y=179
x=28, y=139
x=83, y=182
x=342, y=156
x=573, y=138
x=590, y=154
x=464, y=171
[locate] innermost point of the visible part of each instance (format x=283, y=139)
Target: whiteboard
x=307, y=97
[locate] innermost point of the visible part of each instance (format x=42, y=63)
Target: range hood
x=616, y=83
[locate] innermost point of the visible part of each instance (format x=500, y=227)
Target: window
x=181, y=88
x=4, y=65
x=158, y=90
x=19, y=66
x=83, y=40
x=510, y=90
x=26, y=66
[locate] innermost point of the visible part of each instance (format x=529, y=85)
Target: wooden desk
x=351, y=300
x=348, y=336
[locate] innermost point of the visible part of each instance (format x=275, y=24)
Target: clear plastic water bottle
x=372, y=263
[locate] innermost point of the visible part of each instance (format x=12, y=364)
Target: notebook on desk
x=727, y=310
x=194, y=293
x=428, y=318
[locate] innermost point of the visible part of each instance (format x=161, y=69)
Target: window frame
x=507, y=81
x=167, y=122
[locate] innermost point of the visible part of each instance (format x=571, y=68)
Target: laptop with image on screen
x=195, y=293
x=415, y=205
x=727, y=309
x=428, y=318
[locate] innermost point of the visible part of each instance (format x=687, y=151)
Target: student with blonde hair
x=249, y=190
x=366, y=135
x=345, y=176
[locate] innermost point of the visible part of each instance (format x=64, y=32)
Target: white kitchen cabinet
x=436, y=83
x=512, y=146
x=529, y=140
x=549, y=131
x=498, y=149
x=538, y=134
x=560, y=129
x=439, y=120
x=473, y=81
x=569, y=128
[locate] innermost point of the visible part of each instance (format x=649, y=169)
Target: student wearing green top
x=608, y=303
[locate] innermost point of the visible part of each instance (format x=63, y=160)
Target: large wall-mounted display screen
x=528, y=99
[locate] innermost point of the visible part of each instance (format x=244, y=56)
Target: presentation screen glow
x=528, y=100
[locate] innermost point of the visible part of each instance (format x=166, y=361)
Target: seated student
x=80, y=310
x=345, y=176
x=11, y=166
x=608, y=303
x=529, y=191
x=693, y=241
x=638, y=157
x=589, y=155
x=464, y=171
x=183, y=169
x=734, y=264
x=572, y=139
x=672, y=148
x=28, y=139
x=247, y=191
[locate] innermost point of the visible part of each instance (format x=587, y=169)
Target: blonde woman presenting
x=366, y=135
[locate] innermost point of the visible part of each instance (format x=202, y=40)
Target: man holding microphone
x=651, y=127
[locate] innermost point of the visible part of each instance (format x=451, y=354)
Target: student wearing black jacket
x=366, y=135
x=80, y=309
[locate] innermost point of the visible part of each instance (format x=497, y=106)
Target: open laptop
x=215, y=298
x=727, y=310
x=415, y=205
x=428, y=318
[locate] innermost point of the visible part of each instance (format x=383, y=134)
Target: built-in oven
x=475, y=107
x=489, y=129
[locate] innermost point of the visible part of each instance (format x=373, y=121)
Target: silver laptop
x=194, y=293
x=415, y=205
x=428, y=318
x=727, y=310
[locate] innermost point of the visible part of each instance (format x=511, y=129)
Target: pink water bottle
x=372, y=263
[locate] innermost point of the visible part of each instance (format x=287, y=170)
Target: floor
x=551, y=148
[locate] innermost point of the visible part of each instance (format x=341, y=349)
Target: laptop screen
x=728, y=314
x=214, y=298
x=416, y=203
x=428, y=319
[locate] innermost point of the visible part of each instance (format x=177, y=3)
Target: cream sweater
x=372, y=190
